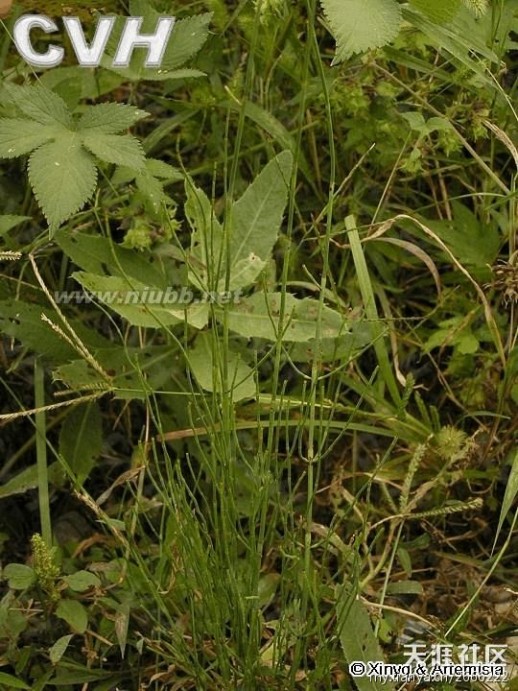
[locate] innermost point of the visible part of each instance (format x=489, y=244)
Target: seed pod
x=5, y=8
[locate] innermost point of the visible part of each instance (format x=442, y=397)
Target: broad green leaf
x=137, y=372
x=73, y=612
x=357, y=637
x=19, y=576
x=110, y=118
x=459, y=38
x=10, y=682
x=256, y=220
x=81, y=439
x=40, y=104
x=257, y=215
x=9, y=221
x=439, y=11
x=328, y=349
x=472, y=242
x=152, y=191
x=359, y=26
x=162, y=170
x=59, y=648
x=81, y=581
x=19, y=136
x=259, y=316
x=92, y=253
x=207, y=240
x=511, y=490
x=240, y=383
x=63, y=176
x=124, y=150
x=188, y=37
x=132, y=301
x=27, y=479
x=22, y=320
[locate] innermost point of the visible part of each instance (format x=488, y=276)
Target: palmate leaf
x=124, y=150
x=359, y=25
x=63, y=176
x=19, y=136
x=110, y=118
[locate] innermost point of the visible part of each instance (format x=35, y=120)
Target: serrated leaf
x=63, y=176
x=73, y=613
x=163, y=171
x=123, y=150
x=240, y=382
x=19, y=136
x=110, y=118
x=19, y=576
x=439, y=11
x=188, y=37
x=152, y=190
x=82, y=580
x=259, y=316
x=40, y=104
x=59, y=648
x=359, y=26
x=81, y=439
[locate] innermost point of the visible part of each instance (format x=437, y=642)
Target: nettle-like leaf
x=187, y=38
x=360, y=25
x=63, y=176
x=63, y=166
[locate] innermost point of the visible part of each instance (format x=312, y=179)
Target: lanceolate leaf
x=359, y=25
x=57, y=167
x=124, y=150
